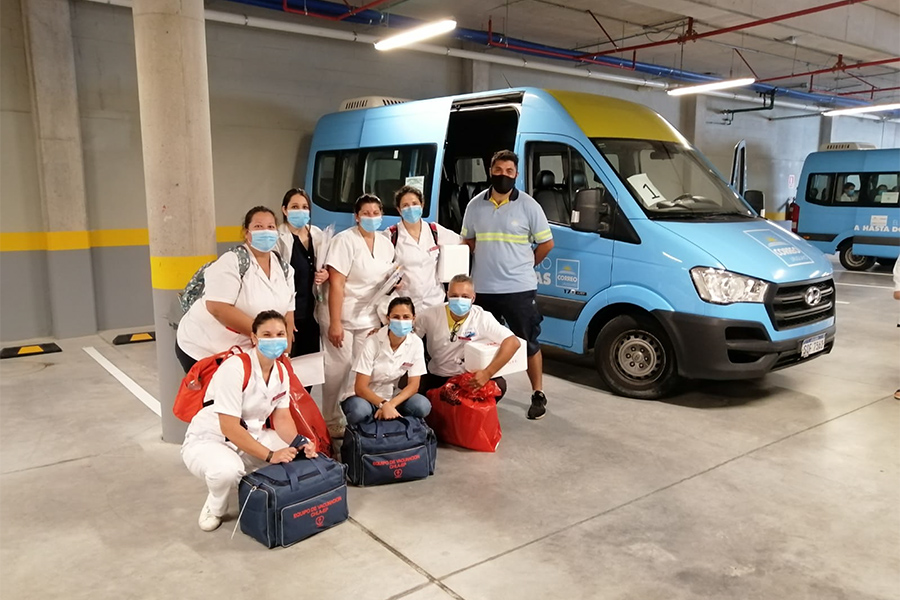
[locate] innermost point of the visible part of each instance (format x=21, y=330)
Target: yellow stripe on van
x=173, y=272
x=604, y=117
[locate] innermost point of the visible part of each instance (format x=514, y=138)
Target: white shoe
x=208, y=521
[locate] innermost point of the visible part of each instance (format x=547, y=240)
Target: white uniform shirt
x=349, y=255
x=386, y=366
x=447, y=358
x=201, y=335
x=254, y=405
x=419, y=261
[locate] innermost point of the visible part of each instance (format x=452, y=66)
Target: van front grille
x=797, y=304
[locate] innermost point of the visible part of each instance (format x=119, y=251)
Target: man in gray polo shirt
x=509, y=234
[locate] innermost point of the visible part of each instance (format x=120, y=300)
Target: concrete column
x=173, y=88
x=478, y=74
x=54, y=97
x=826, y=124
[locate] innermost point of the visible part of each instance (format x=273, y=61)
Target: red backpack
x=306, y=414
x=189, y=399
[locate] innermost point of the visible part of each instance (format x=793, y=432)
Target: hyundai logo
x=812, y=296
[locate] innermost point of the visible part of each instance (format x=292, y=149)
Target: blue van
x=848, y=202
x=658, y=267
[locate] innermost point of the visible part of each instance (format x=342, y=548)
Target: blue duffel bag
x=378, y=452
x=284, y=503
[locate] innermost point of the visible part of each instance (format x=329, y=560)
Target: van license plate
x=810, y=346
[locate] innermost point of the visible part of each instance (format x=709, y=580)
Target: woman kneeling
x=385, y=358
x=228, y=438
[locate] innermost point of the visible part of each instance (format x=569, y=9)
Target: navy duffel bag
x=284, y=503
x=377, y=452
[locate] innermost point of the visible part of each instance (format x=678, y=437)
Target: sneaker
x=538, y=407
x=208, y=521
x=897, y=395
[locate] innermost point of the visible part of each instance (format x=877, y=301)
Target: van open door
x=739, y=179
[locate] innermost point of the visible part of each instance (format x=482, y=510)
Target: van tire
x=653, y=375
x=854, y=262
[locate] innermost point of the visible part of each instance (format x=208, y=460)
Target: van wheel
x=854, y=262
x=635, y=358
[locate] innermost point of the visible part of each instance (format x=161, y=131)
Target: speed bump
x=134, y=338
x=17, y=351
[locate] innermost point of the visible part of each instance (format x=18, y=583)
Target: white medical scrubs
x=366, y=271
x=206, y=452
x=419, y=260
x=200, y=334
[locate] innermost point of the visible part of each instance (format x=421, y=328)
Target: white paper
x=310, y=368
x=649, y=194
x=416, y=182
x=878, y=221
x=889, y=197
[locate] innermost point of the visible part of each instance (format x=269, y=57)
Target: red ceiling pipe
x=691, y=35
x=839, y=66
x=550, y=53
x=341, y=17
x=868, y=92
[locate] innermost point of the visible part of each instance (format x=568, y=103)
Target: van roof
x=605, y=117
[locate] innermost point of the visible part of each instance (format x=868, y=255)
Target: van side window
x=341, y=176
x=820, y=189
x=847, y=190
x=881, y=188
x=555, y=172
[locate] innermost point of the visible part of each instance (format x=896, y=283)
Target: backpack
x=395, y=233
x=192, y=391
x=197, y=285
x=306, y=414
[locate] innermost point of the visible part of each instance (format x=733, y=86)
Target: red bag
x=465, y=417
x=189, y=399
x=307, y=416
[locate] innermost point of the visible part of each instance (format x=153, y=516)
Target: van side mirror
x=593, y=212
x=756, y=200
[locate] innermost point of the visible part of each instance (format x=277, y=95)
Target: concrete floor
x=783, y=488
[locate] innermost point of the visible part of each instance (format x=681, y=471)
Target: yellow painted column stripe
x=68, y=240
x=173, y=272
x=24, y=241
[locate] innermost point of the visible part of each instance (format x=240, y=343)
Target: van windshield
x=671, y=181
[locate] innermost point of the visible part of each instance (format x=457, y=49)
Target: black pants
x=306, y=338
x=186, y=361
x=430, y=382
x=519, y=312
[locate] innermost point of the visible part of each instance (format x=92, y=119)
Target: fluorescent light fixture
x=710, y=87
x=411, y=36
x=862, y=109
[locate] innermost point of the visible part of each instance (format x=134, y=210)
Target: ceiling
x=862, y=32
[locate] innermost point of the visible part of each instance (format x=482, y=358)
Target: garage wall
x=24, y=304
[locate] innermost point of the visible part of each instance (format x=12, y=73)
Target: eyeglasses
x=455, y=331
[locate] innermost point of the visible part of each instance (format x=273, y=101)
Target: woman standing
x=417, y=246
x=359, y=262
x=299, y=243
x=227, y=438
x=238, y=286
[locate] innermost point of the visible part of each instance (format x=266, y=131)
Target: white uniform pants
x=338, y=362
x=222, y=467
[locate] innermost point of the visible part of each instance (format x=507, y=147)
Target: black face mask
x=502, y=184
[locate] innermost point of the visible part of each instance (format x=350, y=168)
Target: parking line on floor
x=841, y=302
x=880, y=287
x=138, y=392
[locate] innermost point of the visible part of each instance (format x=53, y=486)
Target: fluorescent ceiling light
x=709, y=87
x=411, y=36
x=862, y=109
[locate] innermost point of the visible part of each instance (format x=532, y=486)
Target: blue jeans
x=358, y=409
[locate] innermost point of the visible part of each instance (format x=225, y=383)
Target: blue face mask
x=263, y=239
x=272, y=347
x=460, y=306
x=411, y=214
x=370, y=224
x=401, y=327
x=298, y=218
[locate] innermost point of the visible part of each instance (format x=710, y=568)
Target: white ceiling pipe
x=509, y=61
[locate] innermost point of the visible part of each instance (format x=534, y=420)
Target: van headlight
x=724, y=287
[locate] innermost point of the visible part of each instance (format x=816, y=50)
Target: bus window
x=819, y=190
x=848, y=189
x=883, y=189
x=341, y=176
